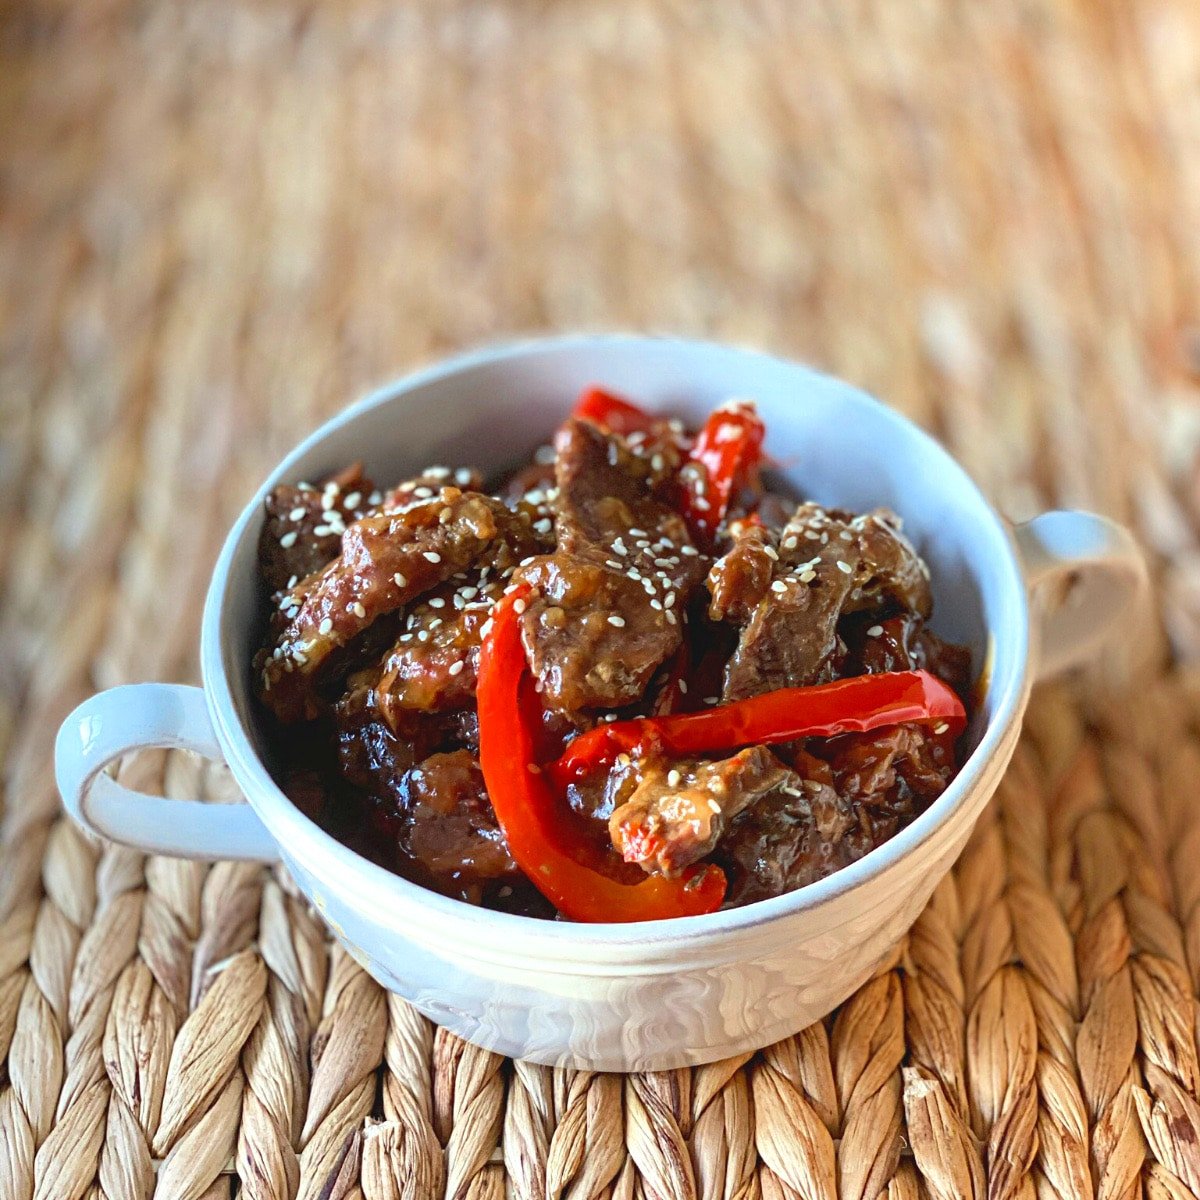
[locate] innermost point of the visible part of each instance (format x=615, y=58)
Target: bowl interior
x=833, y=443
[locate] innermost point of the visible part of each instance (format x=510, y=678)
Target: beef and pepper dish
x=631, y=680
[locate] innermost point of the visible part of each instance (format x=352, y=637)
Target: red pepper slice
x=536, y=823
x=855, y=705
x=612, y=413
x=729, y=449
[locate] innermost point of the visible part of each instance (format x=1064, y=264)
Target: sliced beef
x=680, y=808
x=830, y=563
x=387, y=561
x=741, y=578
x=902, y=643
x=453, y=833
x=605, y=611
x=304, y=525
x=434, y=663
x=788, y=839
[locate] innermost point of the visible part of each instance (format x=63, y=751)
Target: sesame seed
x=771, y=553
x=656, y=605
x=357, y=609
x=845, y=567
x=457, y=667
x=288, y=540
x=874, y=631
x=683, y=687
x=406, y=637
x=669, y=602
x=812, y=535
x=445, y=516
x=525, y=561
x=297, y=514
x=808, y=576
x=656, y=462
x=634, y=574
x=468, y=593
x=375, y=497
x=433, y=556
x=518, y=607
x=485, y=628
x=322, y=530
x=422, y=635
x=637, y=533
x=302, y=659
x=423, y=493
x=940, y=727
x=437, y=472
x=690, y=551
x=617, y=621
x=437, y=602
x=673, y=778
x=714, y=806
x=711, y=699
x=670, y=618
x=789, y=543
x=779, y=587
x=399, y=580
x=616, y=566
x=326, y=626
x=702, y=504
x=462, y=476
x=292, y=581
x=353, y=500
x=619, y=547
x=332, y=489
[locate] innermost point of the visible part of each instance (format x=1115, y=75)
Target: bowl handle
x=1094, y=570
x=137, y=717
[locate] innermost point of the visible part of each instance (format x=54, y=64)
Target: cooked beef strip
x=786, y=841
x=829, y=563
x=304, y=525
x=433, y=664
x=453, y=832
x=601, y=619
x=387, y=560
x=681, y=807
x=741, y=578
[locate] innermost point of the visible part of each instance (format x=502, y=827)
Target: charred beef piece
x=387, y=561
x=680, y=808
x=605, y=612
x=830, y=563
x=304, y=525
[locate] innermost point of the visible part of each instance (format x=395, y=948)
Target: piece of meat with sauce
x=741, y=578
x=786, y=840
x=830, y=563
x=902, y=643
x=304, y=525
x=680, y=808
x=387, y=561
x=453, y=833
x=605, y=611
x=433, y=665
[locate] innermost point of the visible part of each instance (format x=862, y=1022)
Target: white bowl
x=617, y=997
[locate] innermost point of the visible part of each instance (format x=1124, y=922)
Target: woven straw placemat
x=220, y=220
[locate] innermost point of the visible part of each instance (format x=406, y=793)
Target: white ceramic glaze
x=613, y=997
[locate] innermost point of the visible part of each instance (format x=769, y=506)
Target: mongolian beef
x=630, y=681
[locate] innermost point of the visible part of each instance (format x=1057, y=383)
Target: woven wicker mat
x=219, y=221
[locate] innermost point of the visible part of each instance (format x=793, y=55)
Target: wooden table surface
x=221, y=221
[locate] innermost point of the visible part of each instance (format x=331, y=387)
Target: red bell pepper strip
x=855, y=705
x=612, y=413
x=538, y=826
x=728, y=450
